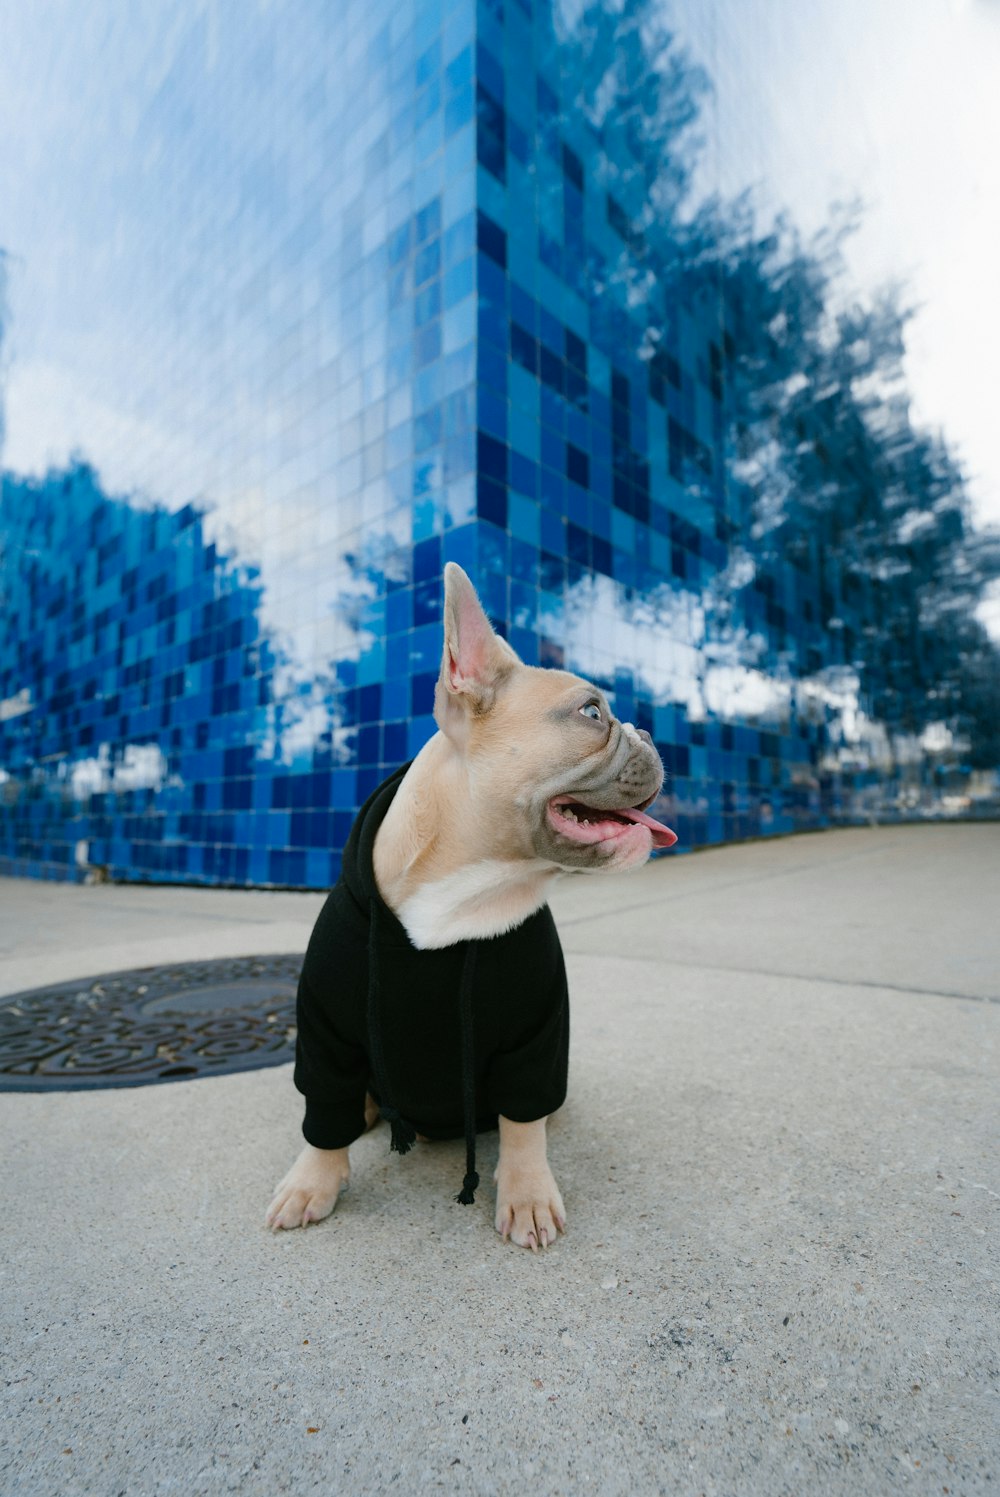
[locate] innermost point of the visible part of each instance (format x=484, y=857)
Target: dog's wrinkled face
x=582, y=779
x=566, y=781
x=590, y=811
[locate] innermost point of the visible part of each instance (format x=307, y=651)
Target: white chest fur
x=482, y=899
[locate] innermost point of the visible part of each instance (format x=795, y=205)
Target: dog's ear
x=475, y=660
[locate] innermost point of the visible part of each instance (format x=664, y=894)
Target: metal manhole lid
x=150, y=1024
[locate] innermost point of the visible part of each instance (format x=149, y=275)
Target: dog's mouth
x=578, y=822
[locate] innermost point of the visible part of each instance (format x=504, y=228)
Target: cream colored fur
x=476, y=900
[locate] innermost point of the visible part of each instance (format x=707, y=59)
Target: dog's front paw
x=530, y=1210
x=310, y=1189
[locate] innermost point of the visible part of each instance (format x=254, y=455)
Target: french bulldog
x=529, y=776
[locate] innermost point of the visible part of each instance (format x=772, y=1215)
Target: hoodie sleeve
x=527, y=1078
x=331, y=1064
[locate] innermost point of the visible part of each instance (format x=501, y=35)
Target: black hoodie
x=407, y=1007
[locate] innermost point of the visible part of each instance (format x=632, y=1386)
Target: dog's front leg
x=310, y=1189
x=530, y=1210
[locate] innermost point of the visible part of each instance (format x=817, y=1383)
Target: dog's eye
x=591, y=710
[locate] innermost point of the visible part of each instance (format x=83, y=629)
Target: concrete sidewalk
x=779, y=1160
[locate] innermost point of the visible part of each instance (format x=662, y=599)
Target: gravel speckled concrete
x=779, y=1160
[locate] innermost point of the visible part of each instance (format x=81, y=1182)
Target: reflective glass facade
x=314, y=299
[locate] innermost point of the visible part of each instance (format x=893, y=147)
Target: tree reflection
x=827, y=473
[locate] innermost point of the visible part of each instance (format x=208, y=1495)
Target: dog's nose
x=646, y=738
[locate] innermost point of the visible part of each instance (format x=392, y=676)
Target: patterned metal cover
x=150, y=1024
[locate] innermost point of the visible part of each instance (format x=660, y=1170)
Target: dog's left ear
x=475, y=660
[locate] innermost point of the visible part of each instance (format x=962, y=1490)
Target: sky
x=896, y=102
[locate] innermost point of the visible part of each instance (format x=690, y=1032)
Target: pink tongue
x=662, y=835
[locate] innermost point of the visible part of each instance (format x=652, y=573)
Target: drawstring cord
x=403, y=1132
x=467, y=1194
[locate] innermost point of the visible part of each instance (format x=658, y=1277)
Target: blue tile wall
x=338, y=305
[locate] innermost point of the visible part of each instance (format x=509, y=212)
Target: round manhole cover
x=150, y=1024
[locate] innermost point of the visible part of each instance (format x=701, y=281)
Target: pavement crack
x=613, y=911
x=841, y=982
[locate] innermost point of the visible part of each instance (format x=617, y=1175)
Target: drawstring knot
x=467, y=1195
x=404, y=1135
